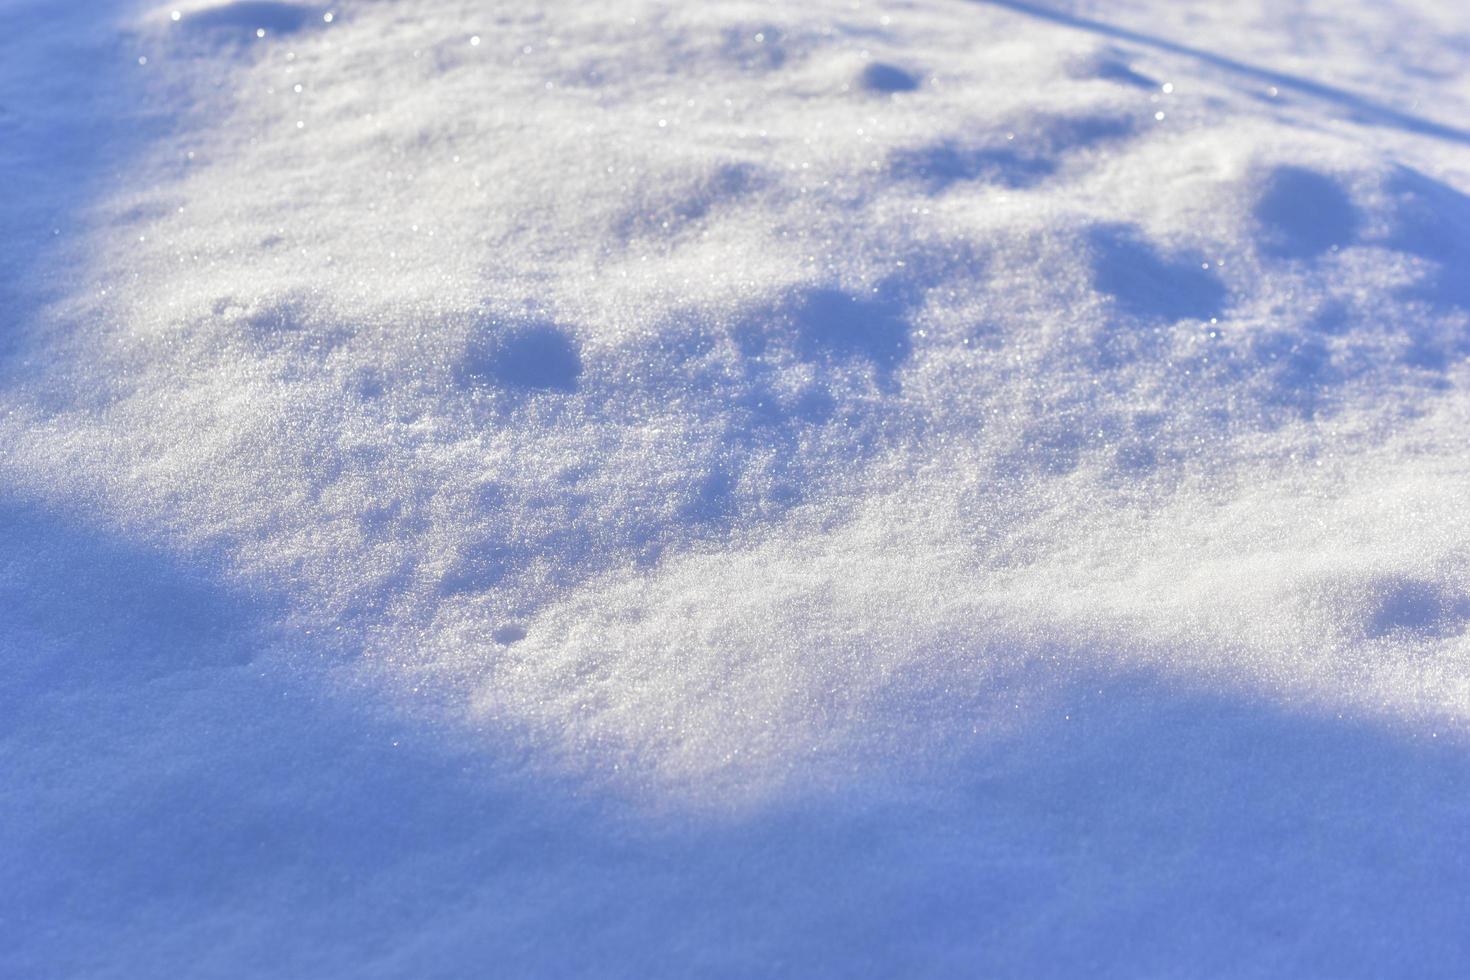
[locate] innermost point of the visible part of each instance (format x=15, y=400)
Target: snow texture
x=635, y=489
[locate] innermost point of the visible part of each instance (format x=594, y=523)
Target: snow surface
x=930, y=488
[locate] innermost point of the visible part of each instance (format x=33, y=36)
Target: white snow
x=938, y=488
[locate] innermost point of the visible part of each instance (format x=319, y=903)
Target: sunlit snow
x=952, y=488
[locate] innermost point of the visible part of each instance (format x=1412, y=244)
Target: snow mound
x=760, y=489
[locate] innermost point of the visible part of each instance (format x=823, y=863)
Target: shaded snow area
x=641, y=489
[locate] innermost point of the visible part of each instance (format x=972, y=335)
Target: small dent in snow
x=1302, y=214
x=512, y=633
x=1298, y=370
x=666, y=211
x=1431, y=220
x=832, y=326
x=1018, y=158
x=713, y=498
x=535, y=356
x=475, y=569
x=1149, y=285
x=886, y=79
x=1403, y=606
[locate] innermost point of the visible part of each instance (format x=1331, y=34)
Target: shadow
x=1125, y=826
x=728, y=183
x=1129, y=828
x=1416, y=608
x=82, y=608
x=712, y=498
x=1333, y=320
x=175, y=806
x=176, y=791
x=1028, y=157
x=532, y=356
x=671, y=211
x=1431, y=220
x=480, y=567
x=942, y=165
x=508, y=634
x=885, y=79
x=1302, y=214
x=774, y=399
x=1296, y=371
x=69, y=125
x=187, y=791
x=832, y=326
x=1357, y=106
x=1148, y=285
x=852, y=346
x=244, y=17
x=1111, y=67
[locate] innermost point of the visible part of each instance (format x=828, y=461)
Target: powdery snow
x=940, y=488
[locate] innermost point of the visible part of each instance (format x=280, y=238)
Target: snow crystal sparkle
x=671, y=454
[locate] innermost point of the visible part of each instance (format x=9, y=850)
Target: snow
x=939, y=488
